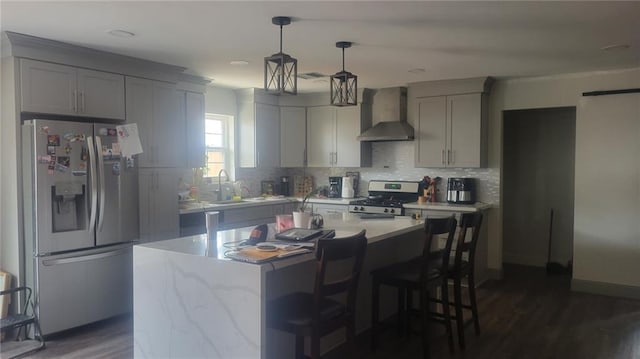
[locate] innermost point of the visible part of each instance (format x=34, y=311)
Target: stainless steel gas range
x=386, y=197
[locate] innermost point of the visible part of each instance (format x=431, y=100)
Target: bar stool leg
x=375, y=300
x=474, y=306
x=407, y=328
x=447, y=315
x=402, y=312
x=457, y=289
x=299, y=347
x=424, y=314
x=315, y=346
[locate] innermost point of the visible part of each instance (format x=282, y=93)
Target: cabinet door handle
x=448, y=157
x=335, y=162
x=443, y=162
x=81, y=102
x=75, y=101
x=453, y=156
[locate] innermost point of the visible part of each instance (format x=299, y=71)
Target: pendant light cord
x=280, y=38
x=343, y=59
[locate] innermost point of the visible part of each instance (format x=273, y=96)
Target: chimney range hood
x=389, y=117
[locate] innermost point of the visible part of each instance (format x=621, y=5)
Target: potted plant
x=302, y=218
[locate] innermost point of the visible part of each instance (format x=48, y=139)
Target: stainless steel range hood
x=389, y=117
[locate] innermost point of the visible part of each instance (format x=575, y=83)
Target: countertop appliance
x=81, y=220
x=386, y=197
x=461, y=190
x=347, y=187
x=335, y=187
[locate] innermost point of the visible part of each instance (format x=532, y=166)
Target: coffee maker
x=335, y=187
x=461, y=190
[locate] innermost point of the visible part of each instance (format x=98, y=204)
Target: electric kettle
x=347, y=187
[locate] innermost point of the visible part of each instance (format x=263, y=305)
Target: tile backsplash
x=391, y=161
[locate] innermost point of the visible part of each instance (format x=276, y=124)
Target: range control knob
x=355, y=208
x=362, y=208
x=393, y=210
x=386, y=210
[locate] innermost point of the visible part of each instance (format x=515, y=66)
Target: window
x=216, y=132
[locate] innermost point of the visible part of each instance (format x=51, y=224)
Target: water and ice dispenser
x=68, y=200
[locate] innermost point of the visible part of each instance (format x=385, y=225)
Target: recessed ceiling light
x=615, y=47
x=121, y=33
x=239, y=63
x=417, y=70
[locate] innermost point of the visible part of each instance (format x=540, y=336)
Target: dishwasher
x=192, y=224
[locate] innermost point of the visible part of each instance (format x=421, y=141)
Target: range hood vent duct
x=389, y=117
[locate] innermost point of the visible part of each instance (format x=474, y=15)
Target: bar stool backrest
x=434, y=227
x=468, y=221
x=338, y=250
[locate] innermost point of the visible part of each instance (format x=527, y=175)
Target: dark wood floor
x=526, y=315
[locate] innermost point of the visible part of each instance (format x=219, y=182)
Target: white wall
x=607, y=215
x=544, y=92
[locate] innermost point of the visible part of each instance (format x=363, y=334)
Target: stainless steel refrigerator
x=81, y=220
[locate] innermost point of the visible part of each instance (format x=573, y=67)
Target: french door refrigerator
x=81, y=220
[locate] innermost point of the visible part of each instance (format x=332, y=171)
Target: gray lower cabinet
x=66, y=90
x=254, y=215
x=159, y=211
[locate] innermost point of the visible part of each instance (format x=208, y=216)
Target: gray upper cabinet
x=321, y=136
x=66, y=90
x=332, y=136
x=194, y=115
x=450, y=129
x=155, y=107
x=292, y=136
x=258, y=130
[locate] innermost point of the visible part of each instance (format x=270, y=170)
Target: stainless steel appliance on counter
x=386, y=197
x=335, y=187
x=461, y=190
x=81, y=220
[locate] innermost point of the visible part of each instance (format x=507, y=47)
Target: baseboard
x=608, y=289
x=523, y=259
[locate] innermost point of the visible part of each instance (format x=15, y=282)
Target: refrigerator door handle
x=101, y=171
x=84, y=258
x=94, y=185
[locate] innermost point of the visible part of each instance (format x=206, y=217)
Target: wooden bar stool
x=463, y=267
x=425, y=273
x=314, y=314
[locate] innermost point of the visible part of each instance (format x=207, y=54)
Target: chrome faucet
x=220, y=182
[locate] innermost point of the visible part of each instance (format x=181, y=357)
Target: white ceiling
x=449, y=39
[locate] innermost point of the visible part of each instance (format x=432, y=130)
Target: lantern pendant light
x=281, y=70
x=344, y=84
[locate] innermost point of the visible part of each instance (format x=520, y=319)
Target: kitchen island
x=191, y=301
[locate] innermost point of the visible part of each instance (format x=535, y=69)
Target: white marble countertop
x=444, y=206
x=344, y=225
x=195, y=207
x=343, y=201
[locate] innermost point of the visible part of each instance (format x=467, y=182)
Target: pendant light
x=344, y=84
x=281, y=70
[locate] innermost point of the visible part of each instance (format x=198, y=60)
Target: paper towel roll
x=347, y=187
